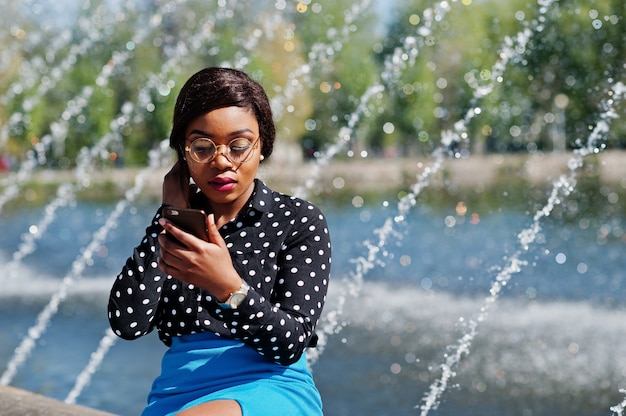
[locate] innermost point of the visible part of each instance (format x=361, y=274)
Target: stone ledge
x=16, y=402
x=371, y=174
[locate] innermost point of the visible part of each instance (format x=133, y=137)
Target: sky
x=64, y=12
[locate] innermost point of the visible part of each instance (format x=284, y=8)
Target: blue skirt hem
x=204, y=367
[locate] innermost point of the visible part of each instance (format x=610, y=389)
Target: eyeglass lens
x=204, y=150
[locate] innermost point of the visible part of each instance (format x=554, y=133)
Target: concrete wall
x=16, y=402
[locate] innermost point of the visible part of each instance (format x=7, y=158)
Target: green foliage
x=342, y=67
x=550, y=91
x=564, y=78
x=323, y=56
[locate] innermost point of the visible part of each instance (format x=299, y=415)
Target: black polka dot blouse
x=279, y=244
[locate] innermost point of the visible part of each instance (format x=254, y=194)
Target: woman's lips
x=222, y=184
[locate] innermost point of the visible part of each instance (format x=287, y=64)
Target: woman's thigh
x=213, y=408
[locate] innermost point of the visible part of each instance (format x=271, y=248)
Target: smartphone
x=190, y=220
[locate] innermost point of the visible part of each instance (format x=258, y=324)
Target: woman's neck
x=224, y=212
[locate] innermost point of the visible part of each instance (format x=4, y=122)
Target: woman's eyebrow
x=199, y=132
x=232, y=134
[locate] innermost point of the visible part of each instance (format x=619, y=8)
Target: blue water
x=553, y=344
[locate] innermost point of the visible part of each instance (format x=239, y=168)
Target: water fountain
x=339, y=316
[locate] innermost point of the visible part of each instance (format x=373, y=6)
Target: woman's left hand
x=175, y=191
x=205, y=264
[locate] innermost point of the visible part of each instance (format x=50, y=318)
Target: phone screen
x=192, y=221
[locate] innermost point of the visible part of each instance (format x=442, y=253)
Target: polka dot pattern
x=279, y=244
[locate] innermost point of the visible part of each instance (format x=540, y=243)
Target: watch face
x=236, y=299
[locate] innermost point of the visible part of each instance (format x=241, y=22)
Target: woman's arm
x=281, y=327
x=136, y=291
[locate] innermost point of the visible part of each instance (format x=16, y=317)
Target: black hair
x=213, y=88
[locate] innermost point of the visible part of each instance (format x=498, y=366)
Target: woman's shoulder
x=280, y=200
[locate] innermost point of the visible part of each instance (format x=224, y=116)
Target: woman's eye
x=239, y=146
x=201, y=149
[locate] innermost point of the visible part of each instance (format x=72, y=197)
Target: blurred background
x=469, y=156
x=142, y=51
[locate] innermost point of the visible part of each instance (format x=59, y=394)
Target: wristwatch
x=236, y=298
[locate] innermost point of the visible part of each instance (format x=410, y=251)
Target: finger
x=169, y=250
x=176, y=235
x=214, y=234
x=163, y=254
x=163, y=265
x=168, y=268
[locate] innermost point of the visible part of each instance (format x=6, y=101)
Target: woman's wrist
x=236, y=298
x=229, y=290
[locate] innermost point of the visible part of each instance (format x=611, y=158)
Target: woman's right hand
x=175, y=192
x=204, y=264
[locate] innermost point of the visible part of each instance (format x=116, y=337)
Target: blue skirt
x=203, y=367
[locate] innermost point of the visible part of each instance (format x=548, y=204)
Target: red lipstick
x=222, y=184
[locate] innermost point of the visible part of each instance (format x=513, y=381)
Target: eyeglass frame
x=253, y=146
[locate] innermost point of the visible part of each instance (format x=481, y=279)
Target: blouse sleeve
x=280, y=328
x=135, y=294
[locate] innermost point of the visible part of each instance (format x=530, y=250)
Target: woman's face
x=226, y=184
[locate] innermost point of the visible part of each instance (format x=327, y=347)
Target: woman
x=239, y=310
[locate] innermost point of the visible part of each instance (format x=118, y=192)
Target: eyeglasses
x=237, y=151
